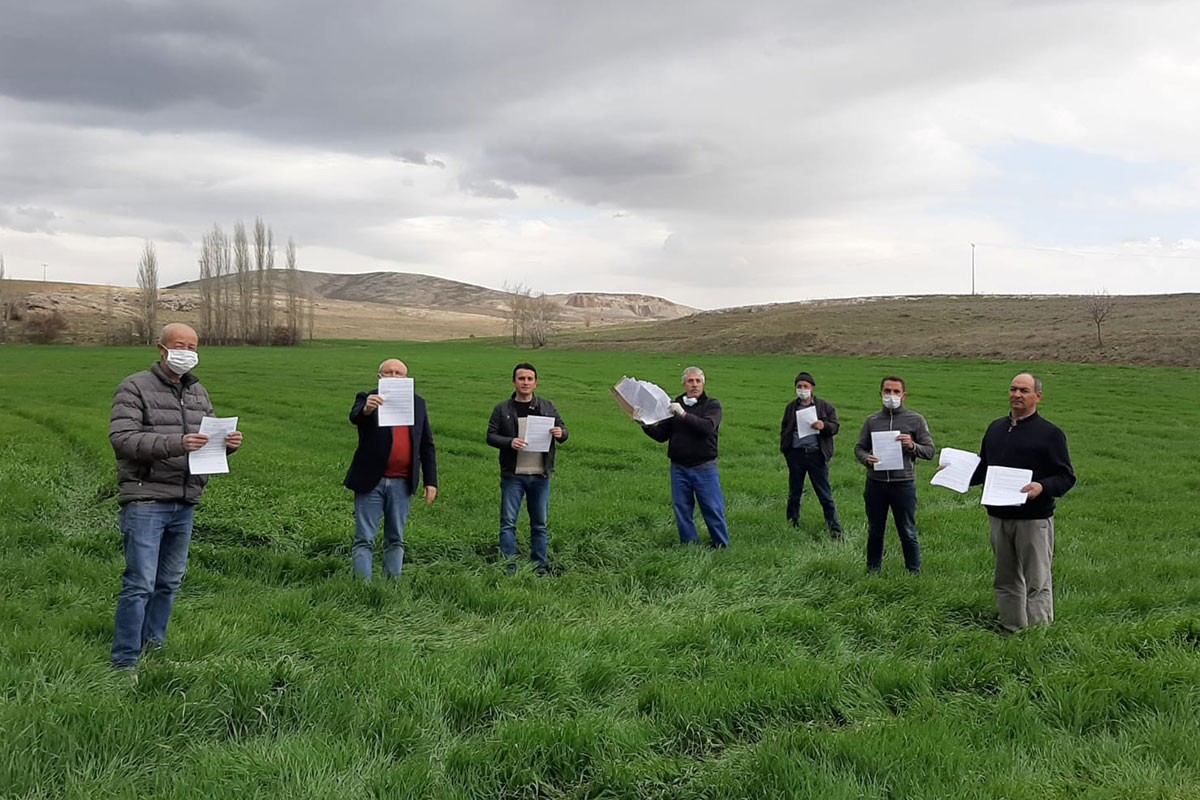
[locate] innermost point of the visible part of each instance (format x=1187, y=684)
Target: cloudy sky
x=715, y=153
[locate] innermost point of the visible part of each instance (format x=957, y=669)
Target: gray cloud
x=771, y=141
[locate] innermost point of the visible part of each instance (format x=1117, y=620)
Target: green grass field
x=778, y=668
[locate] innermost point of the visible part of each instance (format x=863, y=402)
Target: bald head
x=393, y=368
x=1024, y=394
x=178, y=336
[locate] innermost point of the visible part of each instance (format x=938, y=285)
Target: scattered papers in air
x=805, y=417
x=397, y=408
x=957, y=468
x=210, y=459
x=885, y=445
x=1002, y=486
x=537, y=433
x=642, y=400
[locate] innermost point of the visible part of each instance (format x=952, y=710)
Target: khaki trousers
x=1024, y=550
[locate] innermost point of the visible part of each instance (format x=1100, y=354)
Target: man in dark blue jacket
x=1023, y=536
x=385, y=474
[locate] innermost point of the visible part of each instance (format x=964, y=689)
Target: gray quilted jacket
x=150, y=415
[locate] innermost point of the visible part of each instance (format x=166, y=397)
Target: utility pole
x=43, y=273
x=972, y=269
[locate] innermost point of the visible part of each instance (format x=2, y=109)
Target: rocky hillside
x=413, y=291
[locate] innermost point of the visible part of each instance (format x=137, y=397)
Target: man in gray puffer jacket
x=154, y=425
x=893, y=488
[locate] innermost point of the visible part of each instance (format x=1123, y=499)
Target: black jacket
x=375, y=446
x=503, y=428
x=825, y=412
x=1033, y=443
x=692, y=438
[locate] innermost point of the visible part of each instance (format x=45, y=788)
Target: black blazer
x=375, y=445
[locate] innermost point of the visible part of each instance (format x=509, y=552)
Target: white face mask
x=689, y=401
x=892, y=401
x=182, y=362
x=804, y=394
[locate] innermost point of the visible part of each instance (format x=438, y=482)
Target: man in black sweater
x=691, y=435
x=1023, y=536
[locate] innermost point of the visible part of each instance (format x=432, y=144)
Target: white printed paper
x=958, y=467
x=1002, y=486
x=210, y=459
x=397, y=408
x=537, y=433
x=642, y=400
x=885, y=445
x=805, y=417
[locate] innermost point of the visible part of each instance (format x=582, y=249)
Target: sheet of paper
x=397, y=408
x=885, y=446
x=1002, y=486
x=805, y=417
x=959, y=467
x=210, y=459
x=537, y=433
x=642, y=400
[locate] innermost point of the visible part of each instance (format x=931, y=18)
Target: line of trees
x=238, y=289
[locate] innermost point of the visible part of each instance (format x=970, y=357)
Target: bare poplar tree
x=264, y=263
x=147, y=278
x=295, y=301
x=5, y=301
x=1098, y=306
x=222, y=290
x=312, y=315
x=244, y=284
x=206, y=290
x=108, y=315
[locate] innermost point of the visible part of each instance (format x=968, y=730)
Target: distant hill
x=410, y=290
x=1140, y=329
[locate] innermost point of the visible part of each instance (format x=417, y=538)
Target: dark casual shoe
x=511, y=568
x=836, y=535
x=541, y=571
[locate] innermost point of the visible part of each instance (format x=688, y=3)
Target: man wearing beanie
x=807, y=446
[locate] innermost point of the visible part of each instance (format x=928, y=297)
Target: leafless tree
x=147, y=279
x=295, y=300
x=108, y=315
x=46, y=327
x=531, y=315
x=540, y=318
x=5, y=301
x=311, y=314
x=264, y=265
x=244, y=285
x=1098, y=306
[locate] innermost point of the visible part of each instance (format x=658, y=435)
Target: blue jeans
x=703, y=485
x=389, y=501
x=156, y=551
x=901, y=498
x=535, y=490
x=810, y=461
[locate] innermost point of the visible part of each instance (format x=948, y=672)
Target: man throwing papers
x=1023, y=534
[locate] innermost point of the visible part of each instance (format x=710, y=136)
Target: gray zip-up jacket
x=904, y=421
x=150, y=415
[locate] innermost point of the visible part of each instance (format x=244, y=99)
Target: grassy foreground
x=776, y=668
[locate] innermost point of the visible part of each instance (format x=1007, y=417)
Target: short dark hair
x=895, y=378
x=524, y=365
